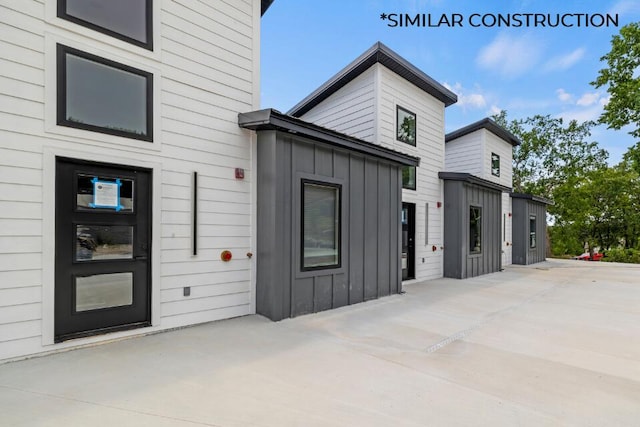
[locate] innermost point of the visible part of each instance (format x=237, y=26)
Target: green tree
x=622, y=76
x=550, y=153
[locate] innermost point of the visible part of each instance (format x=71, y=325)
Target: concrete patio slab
x=556, y=343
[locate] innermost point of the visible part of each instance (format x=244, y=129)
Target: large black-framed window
x=405, y=126
x=475, y=229
x=105, y=96
x=127, y=20
x=409, y=177
x=495, y=164
x=321, y=225
x=532, y=231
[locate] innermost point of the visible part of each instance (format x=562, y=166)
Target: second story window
x=495, y=164
x=128, y=20
x=409, y=177
x=406, y=126
x=100, y=95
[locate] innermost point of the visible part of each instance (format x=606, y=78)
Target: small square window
x=406, y=126
x=321, y=225
x=409, y=177
x=128, y=20
x=495, y=164
x=104, y=96
x=475, y=229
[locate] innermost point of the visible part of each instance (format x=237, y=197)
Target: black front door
x=103, y=246
x=408, y=241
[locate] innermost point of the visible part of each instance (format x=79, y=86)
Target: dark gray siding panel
x=459, y=197
x=370, y=230
x=370, y=227
x=454, y=243
x=519, y=253
x=522, y=210
x=384, y=226
x=268, y=298
x=356, y=230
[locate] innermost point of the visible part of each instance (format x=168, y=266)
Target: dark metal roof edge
x=378, y=53
x=270, y=119
x=532, y=197
x=472, y=179
x=264, y=5
x=488, y=124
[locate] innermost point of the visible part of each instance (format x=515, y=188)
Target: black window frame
x=533, y=219
x=415, y=177
x=61, y=93
x=479, y=223
x=495, y=157
x=339, y=215
x=62, y=13
x=415, y=124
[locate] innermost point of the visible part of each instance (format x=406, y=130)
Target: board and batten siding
x=459, y=263
x=370, y=227
x=522, y=210
x=205, y=66
x=350, y=110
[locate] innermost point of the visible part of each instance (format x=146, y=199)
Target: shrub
x=622, y=255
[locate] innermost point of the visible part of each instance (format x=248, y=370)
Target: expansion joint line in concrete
x=462, y=334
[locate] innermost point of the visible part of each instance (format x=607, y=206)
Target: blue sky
x=526, y=71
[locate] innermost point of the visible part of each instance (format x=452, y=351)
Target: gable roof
x=487, y=124
x=378, y=53
x=270, y=119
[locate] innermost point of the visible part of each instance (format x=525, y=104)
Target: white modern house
x=123, y=173
x=142, y=188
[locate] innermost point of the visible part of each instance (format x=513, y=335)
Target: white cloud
x=563, y=62
x=470, y=100
x=582, y=114
x=510, y=56
x=494, y=110
x=564, y=96
x=625, y=7
x=588, y=99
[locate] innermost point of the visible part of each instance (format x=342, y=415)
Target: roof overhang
x=378, y=53
x=532, y=197
x=487, y=124
x=270, y=119
x=472, y=179
x=264, y=4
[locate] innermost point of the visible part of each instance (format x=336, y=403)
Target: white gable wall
x=205, y=73
x=464, y=154
x=350, y=110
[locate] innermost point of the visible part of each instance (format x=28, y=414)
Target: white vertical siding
x=206, y=71
x=351, y=110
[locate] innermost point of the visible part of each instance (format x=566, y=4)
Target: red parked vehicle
x=587, y=257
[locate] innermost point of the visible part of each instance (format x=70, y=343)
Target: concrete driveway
x=555, y=344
